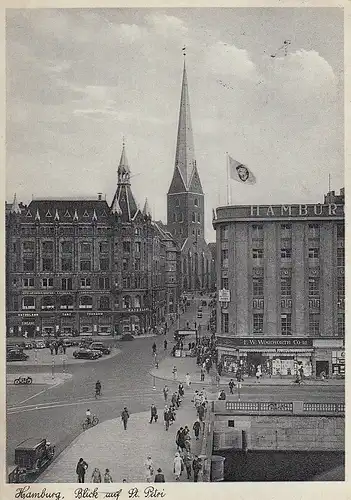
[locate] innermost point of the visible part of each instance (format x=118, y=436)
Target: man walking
x=125, y=417
x=165, y=393
x=202, y=376
x=197, y=466
x=231, y=386
x=166, y=417
x=81, y=469
x=187, y=378
x=196, y=428
x=165, y=344
x=174, y=371
x=201, y=412
x=154, y=415
x=159, y=477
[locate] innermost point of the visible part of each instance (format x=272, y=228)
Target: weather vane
x=184, y=51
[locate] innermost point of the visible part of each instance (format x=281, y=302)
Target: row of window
x=313, y=231
x=85, y=247
x=196, y=202
x=63, y=230
x=85, y=302
x=85, y=264
x=195, y=217
x=286, y=286
x=104, y=282
x=286, y=254
x=314, y=324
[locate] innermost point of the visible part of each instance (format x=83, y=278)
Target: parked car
x=99, y=346
x=33, y=455
x=199, y=309
x=16, y=355
x=86, y=354
x=67, y=342
x=199, y=314
x=127, y=336
x=39, y=344
x=204, y=303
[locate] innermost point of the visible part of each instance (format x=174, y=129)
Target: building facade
x=281, y=283
x=86, y=267
x=185, y=204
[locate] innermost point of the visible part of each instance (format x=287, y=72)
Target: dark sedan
x=86, y=354
x=99, y=346
x=16, y=355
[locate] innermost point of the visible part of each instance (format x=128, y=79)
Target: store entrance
x=253, y=360
x=322, y=366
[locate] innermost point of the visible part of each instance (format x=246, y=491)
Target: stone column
x=299, y=271
x=240, y=278
x=271, y=277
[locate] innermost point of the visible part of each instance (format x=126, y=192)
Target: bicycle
x=93, y=421
x=23, y=381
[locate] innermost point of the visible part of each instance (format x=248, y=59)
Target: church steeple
x=123, y=202
x=123, y=171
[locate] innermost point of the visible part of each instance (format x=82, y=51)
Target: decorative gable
x=177, y=184
x=195, y=183
x=29, y=214
x=85, y=214
x=67, y=214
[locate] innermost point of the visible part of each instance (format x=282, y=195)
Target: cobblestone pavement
x=108, y=445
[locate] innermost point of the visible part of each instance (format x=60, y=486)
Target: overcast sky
x=80, y=80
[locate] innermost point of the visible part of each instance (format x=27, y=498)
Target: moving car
x=99, y=346
x=33, y=454
x=39, y=344
x=204, y=303
x=16, y=355
x=86, y=354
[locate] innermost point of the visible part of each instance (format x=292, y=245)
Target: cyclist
x=88, y=416
x=98, y=389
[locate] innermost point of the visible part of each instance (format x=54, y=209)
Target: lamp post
x=53, y=368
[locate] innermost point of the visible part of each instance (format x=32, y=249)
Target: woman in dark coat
x=159, y=478
x=81, y=469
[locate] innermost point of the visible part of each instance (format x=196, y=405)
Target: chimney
x=99, y=196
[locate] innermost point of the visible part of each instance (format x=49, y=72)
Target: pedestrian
x=197, y=466
x=154, y=415
x=107, y=477
x=174, y=399
x=231, y=385
x=174, y=371
x=178, y=466
x=51, y=347
x=196, y=428
x=125, y=417
x=64, y=347
x=222, y=395
x=187, y=459
x=201, y=412
x=187, y=441
x=159, y=478
x=258, y=373
x=149, y=469
x=180, y=439
x=202, y=376
x=81, y=469
x=187, y=378
x=165, y=393
x=181, y=390
x=96, y=476
x=154, y=348
x=56, y=347
x=166, y=417
x=165, y=344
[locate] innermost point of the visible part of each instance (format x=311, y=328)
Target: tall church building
x=185, y=204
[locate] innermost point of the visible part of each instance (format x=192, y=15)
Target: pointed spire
x=94, y=215
x=185, y=153
x=15, y=209
x=56, y=215
x=123, y=167
x=37, y=215
x=146, y=209
x=75, y=216
x=116, y=209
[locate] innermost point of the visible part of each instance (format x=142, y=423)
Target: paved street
x=56, y=412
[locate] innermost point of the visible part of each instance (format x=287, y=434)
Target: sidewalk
x=109, y=446
x=42, y=357
x=188, y=365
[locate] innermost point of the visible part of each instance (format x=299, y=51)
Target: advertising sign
x=224, y=295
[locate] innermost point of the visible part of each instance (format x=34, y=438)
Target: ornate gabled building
x=185, y=204
x=82, y=266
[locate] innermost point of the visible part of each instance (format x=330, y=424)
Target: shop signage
x=66, y=314
x=28, y=323
x=224, y=295
x=94, y=314
x=265, y=342
x=27, y=315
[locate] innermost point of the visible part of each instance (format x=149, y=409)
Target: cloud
x=226, y=59
x=167, y=26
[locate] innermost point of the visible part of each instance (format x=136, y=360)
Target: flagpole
x=328, y=183
x=227, y=178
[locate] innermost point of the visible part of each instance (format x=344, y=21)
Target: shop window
x=138, y=246
x=313, y=287
x=28, y=303
x=257, y=253
x=104, y=283
x=224, y=284
x=47, y=283
x=103, y=247
x=66, y=302
x=48, y=303
x=257, y=287
x=85, y=265
x=285, y=287
x=104, y=303
x=224, y=233
x=224, y=258
x=285, y=253
x=66, y=247
x=66, y=264
x=28, y=264
x=340, y=257
x=48, y=246
x=104, y=264
x=85, y=247
x=341, y=325
x=28, y=282
x=137, y=301
x=47, y=264
x=314, y=324
x=285, y=321
x=28, y=246
x=257, y=323
x=127, y=302
x=313, y=253
x=86, y=302
x=85, y=283
x=257, y=231
x=87, y=329
x=137, y=264
x=225, y=323
x=66, y=283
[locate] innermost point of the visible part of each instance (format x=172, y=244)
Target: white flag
x=240, y=172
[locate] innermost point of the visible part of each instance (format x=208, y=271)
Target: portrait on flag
x=240, y=172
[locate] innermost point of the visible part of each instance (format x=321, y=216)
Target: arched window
x=48, y=302
x=137, y=301
x=177, y=202
x=66, y=302
x=86, y=302
x=193, y=217
x=104, y=303
x=127, y=302
x=196, y=202
x=28, y=303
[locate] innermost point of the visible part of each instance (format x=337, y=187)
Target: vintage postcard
x=174, y=248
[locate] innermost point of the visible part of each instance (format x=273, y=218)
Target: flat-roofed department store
x=281, y=286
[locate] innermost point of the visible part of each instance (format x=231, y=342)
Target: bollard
x=53, y=369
